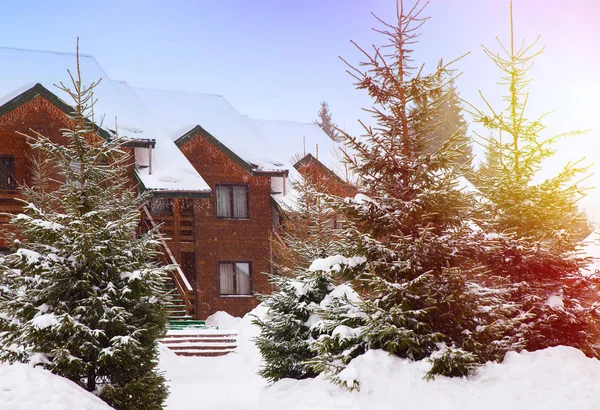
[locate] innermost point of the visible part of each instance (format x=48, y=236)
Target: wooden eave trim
x=157, y=193
x=139, y=143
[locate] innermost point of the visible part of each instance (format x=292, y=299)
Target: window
x=235, y=278
x=7, y=172
x=232, y=201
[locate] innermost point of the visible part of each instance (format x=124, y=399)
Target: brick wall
x=217, y=240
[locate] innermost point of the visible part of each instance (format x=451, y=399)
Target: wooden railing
x=185, y=228
x=181, y=283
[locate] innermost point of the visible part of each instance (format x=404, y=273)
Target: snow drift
x=558, y=378
x=23, y=387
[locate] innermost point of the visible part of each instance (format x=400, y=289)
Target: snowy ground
x=23, y=387
x=560, y=378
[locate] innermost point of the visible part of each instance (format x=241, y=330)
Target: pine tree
x=539, y=221
x=81, y=293
x=422, y=279
x=285, y=332
x=325, y=122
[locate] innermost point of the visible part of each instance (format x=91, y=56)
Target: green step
x=187, y=324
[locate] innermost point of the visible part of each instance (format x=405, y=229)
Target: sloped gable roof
x=179, y=112
x=115, y=104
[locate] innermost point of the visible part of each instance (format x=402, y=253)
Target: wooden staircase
x=187, y=336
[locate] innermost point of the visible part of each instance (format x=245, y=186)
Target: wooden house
x=215, y=177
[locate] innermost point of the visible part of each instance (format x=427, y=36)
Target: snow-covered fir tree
x=539, y=221
x=285, y=332
x=325, y=121
x=80, y=292
x=422, y=279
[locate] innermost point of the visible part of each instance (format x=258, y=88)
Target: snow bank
x=556, y=378
x=223, y=320
x=24, y=387
x=559, y=378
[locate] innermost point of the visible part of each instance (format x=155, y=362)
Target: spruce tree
x=447, y=121
x=325, y=122
x=285, y=331
x=80, y=292
x=424, y=293
x=538, y=222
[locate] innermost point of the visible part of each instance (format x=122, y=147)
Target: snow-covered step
x=201, y=342
x=202, y=353
x=205, y=345
x=201, y=339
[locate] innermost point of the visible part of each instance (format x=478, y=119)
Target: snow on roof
x=180, y=111
x=116, y=103
x=294, y=140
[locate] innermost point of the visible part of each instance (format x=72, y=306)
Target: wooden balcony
x=176, y=232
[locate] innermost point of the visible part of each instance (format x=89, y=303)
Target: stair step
x=202, y=353
x=203, y=346
x=187, y=321
x=182, y=339
x=176, y=312
x=219, y=336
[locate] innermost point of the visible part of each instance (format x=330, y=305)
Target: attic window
x=7, y=172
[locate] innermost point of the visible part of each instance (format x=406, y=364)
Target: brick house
x=216, y=178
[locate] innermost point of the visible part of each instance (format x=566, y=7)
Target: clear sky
x=277, y=59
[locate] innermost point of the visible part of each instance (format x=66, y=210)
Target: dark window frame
x=231, y=207
x=12, y=183
x=250, y=277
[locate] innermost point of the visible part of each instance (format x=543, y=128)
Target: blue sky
x=279, y=59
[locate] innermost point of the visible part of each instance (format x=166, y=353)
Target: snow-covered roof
x=21, y=69
x=167, y=116
x=294, y=140
x=180, y=111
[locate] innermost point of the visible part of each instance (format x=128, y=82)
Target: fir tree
x=422, y=279
x=325, y=122
x=285, y=332
x=447, y=121
x=80, y=292
x=539, y=221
